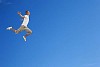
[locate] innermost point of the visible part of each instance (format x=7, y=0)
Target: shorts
x=22, y=28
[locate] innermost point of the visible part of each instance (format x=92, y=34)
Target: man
x=23, y=25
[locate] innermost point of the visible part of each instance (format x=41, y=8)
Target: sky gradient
x=66, y=33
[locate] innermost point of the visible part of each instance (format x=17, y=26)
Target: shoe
x=9, y=28
x=24, y=38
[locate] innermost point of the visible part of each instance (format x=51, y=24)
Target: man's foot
x=9, y=28
x=24, y=38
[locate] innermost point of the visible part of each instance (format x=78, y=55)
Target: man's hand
x=19, y=12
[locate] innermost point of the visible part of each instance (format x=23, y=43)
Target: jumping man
x=23, y=25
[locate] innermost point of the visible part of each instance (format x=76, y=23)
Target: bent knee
x=30, y=32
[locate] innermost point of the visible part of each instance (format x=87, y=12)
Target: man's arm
x=19, y=13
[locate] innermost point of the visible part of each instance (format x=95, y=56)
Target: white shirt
x=26, y=20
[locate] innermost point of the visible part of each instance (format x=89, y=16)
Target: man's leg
x=28, y=33
x=19, y=30
x=12, y=29
x=15, y=31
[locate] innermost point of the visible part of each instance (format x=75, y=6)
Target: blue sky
x=66, y=33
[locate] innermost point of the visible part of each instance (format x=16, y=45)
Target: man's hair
x=26, y=11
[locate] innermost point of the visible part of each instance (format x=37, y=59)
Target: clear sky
x=66, y=33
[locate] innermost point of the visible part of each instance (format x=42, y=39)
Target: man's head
x=27, y=12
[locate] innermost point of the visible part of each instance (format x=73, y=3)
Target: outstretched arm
x=19, y=13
